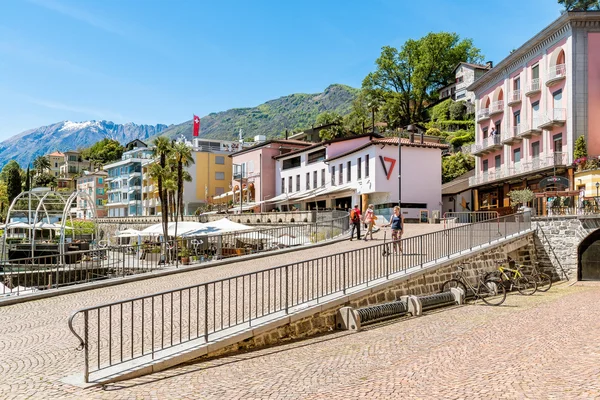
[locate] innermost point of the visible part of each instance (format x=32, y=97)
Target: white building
x=362, y=169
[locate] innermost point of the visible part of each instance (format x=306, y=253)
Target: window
x=359, y=168
x=485, y=166
x=558, y=144
x=100, y=191
x=535, y=72
x=535, y=109
x=498, y=131
x=314, y=179
x=297, y=183
x=72, y=158
x=219, y=176
x=282, y=185
x=219, y=190
x=485, y=132
x=293, y=162
x=557, y=98
x=315, y=156
x=100, y=180
x=99, y=202
x=535, y=149
x=323, y=177
x=251, y=166
x=333, y=175
x=517, y=84
x=55, y=165
x=497, y=161
x=517, y=118
x=341, y=178
x=290, y=187
x=366, y=166
x=308, y=181
x=349, y=171
x=517, y=155
x=459, y=79
x=219, y=160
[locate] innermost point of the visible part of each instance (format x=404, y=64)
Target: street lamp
x=597, y=187
x=240, y=175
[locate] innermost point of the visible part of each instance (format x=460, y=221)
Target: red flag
x=196, y=125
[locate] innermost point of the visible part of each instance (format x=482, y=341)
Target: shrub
x=458, y=110
x=580, y=148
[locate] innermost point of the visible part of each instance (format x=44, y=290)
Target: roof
x=57, y=154
x=458, y=184
x=394, y=142
x=272, y=141
x=531, y=46
x=472, y=65
x=321, y=144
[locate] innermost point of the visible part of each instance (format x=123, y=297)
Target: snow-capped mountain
x=69, y=135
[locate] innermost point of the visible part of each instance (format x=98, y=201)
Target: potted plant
x=184, y=254
x=153, y=254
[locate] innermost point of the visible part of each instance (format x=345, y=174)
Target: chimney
x=489, y=64
x=422, y=134
x=286, y=134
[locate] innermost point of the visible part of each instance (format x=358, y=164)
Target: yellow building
x=56, y=159
x=150, y=197
x=588, y=180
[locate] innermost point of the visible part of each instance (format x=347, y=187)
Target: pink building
x=532, y=107
x=257, y=164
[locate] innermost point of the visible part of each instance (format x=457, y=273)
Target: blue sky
x=160, y=61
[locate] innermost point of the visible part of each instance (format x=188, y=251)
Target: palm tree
x=183, y=158
x=159, y=172
x=40, y=164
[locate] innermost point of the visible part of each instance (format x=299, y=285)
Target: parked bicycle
x=490, y=291
x=513, y=278
x=543, y=280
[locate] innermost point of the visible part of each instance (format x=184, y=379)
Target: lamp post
x=241, y=177
x=597, y=187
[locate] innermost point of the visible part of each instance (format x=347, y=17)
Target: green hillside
x=294, y=112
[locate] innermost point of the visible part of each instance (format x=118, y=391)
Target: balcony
x=483, y=114
x=533, y=87
x=514, y=97
x=557, y=117
x=521, y=168
x=487, y=145
x=527, y=131
x=556, y=74
x=496, y=107
x=512, y=135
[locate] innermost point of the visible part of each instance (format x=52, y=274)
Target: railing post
x=421, y=250
x=287, y=285
x=489, y=232
x=448, y=243
x=206, y=313
x=86, y=347
x=344, y=272
x=331, y=229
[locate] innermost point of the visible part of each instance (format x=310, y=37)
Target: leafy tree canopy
x=580, y=5
x=580, y=148
x=406, y=80
x=455, y=165
x=335, y=130
x=13, y=182
x=12, y=164
x=40, y=164
x=44, y=179
x=105, y=151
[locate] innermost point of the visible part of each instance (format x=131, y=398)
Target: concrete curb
x=156, y=274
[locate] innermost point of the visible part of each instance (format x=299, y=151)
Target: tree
x=455, y=165
x=27, y=185
x=41, y=164
x=44, y=180
x=580, y=150
x=160, y=173
x=183, y=158
x=105, y=151
x=580, y=5
x=407, y=79
x=358, y=117
x=336, y=128
x=458, y=110
x=13, y=183
x=518, y=197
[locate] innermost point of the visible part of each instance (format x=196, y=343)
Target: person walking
x=355, y=222
x=369, y=220
x=397, y=224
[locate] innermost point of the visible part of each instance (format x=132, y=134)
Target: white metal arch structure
x=67, y=213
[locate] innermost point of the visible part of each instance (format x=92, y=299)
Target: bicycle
x=543, y=280
x=490, y=291
x=513, y=278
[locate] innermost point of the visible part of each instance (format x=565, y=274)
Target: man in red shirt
x=355, y=222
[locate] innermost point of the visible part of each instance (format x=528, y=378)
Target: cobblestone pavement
x=540, y=347
x=38, y=349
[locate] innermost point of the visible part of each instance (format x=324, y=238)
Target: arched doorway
x=588, y=258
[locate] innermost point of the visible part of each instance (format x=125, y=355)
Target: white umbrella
x=255, y=236
x=217, y=227
x=128, y=233
x=287, y=240
x=183, y=228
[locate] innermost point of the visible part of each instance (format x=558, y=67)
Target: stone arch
x=588, y=257
x=498, y=95
x=485, y=102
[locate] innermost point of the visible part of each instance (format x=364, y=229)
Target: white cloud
x=55, y=105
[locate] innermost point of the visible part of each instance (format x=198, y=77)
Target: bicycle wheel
x=491, y=292
x=453, y=283
x=525, y=284
x=544, y=282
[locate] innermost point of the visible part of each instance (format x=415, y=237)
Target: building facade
x=56, y=159
x=73, y=165
x=255, y=173
x=532, y=107
x=464, y=75
x=362, y=169
x=125, y=181
x=150, y=197
x=92, y=183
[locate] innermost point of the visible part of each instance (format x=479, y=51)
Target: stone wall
x=428, y=282
x=563, y=236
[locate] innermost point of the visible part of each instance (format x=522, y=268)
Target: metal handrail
x=210, y=308
x=538, y=228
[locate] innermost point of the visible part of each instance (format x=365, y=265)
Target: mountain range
x=293, y=112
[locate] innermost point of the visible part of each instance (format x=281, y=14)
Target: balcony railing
x=511, y=135
x=514, y=97
x=497, y=107
x=483, y=114
x=522, y=167
x=533, y=87
x=487, y=144
x=556, y=74
x=556, y=117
